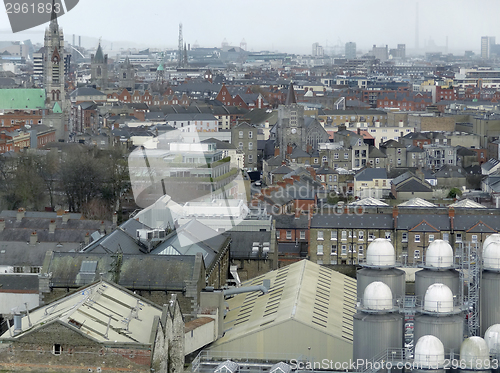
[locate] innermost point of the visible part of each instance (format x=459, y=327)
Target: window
x=250, y=146
x=416, y=254
x=336, y=156
x=324, y=159
x=330, y=178
x=431, y=237
x=240, y=135
x=333, y=235
x=320, y=235
x=278, y=235
x=371, y=236
x=361, y=236
x=302, y=235
x=474, y=238
x=346, y=155
x=334, y=178
x=334, y=250
x=250, y=158
x=240, y=145
x=404, y=237
x=343, y=250
x=459, y=237
x=250, y=134
x=316, y=160
x=446, y=237
x=377, y=160
x=288, y=235
x=344, y=235
x=320, y=249
x=417, y=238
x=360, y=250
x=388, y=236
x=57, y=349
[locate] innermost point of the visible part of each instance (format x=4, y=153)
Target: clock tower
x=291, y=130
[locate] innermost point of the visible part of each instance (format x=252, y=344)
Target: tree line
x=86, y=180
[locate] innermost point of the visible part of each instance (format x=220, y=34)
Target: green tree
x=454, y=193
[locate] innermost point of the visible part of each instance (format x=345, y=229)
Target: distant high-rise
x=400, y=52
x=381, y=53
x=317, y=50
x=350, y=50
x=485, y=47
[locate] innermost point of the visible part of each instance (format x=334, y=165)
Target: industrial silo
x=377, y=325
x=491, y=238
x=438, y=268
x=380, y=265
x=474, y=355
x=440, y=316
x=429, y=354
x=490, y=285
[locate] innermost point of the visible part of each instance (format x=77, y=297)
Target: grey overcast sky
x=279, y=25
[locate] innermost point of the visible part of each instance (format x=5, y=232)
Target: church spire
x=290, y=97
x=53, y=16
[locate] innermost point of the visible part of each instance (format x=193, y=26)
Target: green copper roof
x=160, y=68
x=57, y=108
x=22, y=98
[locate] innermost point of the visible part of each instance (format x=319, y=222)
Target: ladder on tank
x=469, y=262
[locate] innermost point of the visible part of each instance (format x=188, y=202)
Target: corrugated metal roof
x=306, y=292
x=85, y=312
x=369, y=201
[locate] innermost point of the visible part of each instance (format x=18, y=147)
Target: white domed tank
x=492, y=338
x=376, y=320
x=438, y=298
x=377, y=297
x=491, y=256
x=440, y=319
x=381, y=253
x=491, y=238
x=380, y=262
x=439, y=254
x=474, y=351
x=490, y=283
x=429, y=352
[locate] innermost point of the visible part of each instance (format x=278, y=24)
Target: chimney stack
x=395, y=213
x=2, y=225
x=52, y=226
x=20, y=214
x=33, y=238
x=102, y=227
x=65, y=217
x=451, y=214
x=87, y=238
x=115, y=219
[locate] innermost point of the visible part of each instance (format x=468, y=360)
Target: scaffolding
x=468, y=260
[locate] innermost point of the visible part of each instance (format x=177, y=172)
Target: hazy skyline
x=285, y=26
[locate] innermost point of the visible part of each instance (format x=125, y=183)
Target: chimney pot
x=33, y=238
x=52, y=226
x=20, y=214
x=65, y=217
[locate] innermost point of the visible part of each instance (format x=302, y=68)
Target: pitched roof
x=417, y=202
x=368, y=174
x=82, y=313
x=414, y=185
x=467, y=203
x=375, y=221
x=369, y=201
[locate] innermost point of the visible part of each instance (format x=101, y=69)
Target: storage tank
x=377, y=325
x=490, y=285
x=429, y=353
x=492, y=338
x=438, y=268
x=474, y=354
x=439, y=316
x=491, y=238
x=380, y=266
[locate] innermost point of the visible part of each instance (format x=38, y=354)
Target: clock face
x=294, y=131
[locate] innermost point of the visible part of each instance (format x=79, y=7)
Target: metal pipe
x=264, y=288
